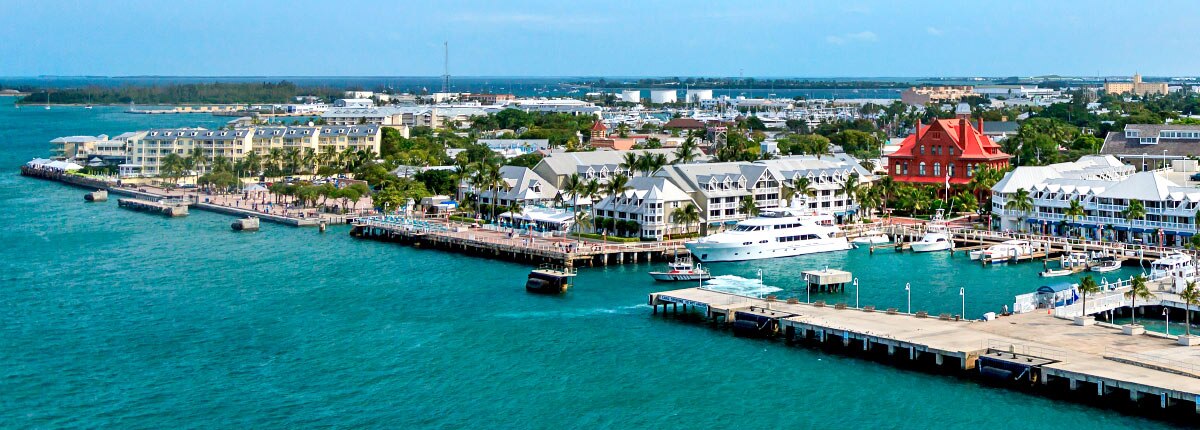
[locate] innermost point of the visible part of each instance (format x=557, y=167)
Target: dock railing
x=1025, y=349
x=1168, y=364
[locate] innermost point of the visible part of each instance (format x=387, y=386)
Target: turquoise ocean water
x=120, y=319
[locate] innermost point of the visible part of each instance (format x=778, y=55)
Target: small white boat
x=1051, y=273
x=872, y=237
x=932, y=242
x=936, y=238
x=1009, y=249
x=1105, y=265
x=682, y=270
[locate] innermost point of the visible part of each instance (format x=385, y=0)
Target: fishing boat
x=682, y=269
x=1105, y=264
x=873, y=237
x=1004, y=250
x=1177, y=265
x=936, y=238
x=1069, y=264
x=549, y=279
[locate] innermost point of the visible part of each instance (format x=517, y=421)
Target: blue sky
x=611, y=38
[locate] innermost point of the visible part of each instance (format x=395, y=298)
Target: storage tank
x=663, y=96
x=632, y=96
x=696, y=96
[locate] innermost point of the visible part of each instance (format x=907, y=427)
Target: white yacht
x=936, y=238
x=873, y=237
x=1179, y=266
x=774, y=233
x=1006, y=249
x=682, y=270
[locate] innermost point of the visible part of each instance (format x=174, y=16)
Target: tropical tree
x=1021, y=203
x=514, y=209
x=630, y=162
x=172, y=167
x=197, y=160
x=804, y=188
x=1191, y=297
x=850, y=188
x=1134, y=211
x=748, y=207
x=573, y=185
x=592, y=189
x=1087, y=285
x=252, y=164
x=1137, y=290
x=686, y=152
x=616, y=187
x=686, y=215
x=1074, y=211
x=887, y=187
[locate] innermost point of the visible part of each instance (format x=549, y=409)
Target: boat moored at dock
x=682, y=269
x=936, y=238
x=775, y=233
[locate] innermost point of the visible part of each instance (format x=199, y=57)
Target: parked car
x=1196, y=176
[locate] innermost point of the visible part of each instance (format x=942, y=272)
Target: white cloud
x=933, y=31
x=862, y=36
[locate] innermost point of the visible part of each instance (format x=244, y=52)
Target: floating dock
x=1033, y=351
x=827, y=280
x=171, y=209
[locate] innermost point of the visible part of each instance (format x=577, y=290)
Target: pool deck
x=1145, y=366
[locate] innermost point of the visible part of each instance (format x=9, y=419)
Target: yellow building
x=1137, y=87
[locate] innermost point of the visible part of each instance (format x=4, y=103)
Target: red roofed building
x=599, y=131
x=945, y=150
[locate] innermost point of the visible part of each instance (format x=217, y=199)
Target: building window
x=921, y=169
x=937, y=169
x=921, y=148
x=950, y=169
x=951, y=150
x=897, y=169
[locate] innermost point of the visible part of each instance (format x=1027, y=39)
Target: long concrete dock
x=569, y=252
x=1030, y=351
x=170, y=209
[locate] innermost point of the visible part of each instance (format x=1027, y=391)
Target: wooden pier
x=568, y=252
x=1033, y=351
x=171, y=209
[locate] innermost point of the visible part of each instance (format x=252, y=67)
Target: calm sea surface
x=113, y=318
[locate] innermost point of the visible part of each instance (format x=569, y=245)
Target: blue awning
x=731, y=222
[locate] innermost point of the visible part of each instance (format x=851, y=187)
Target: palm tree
x=592, y=189
x=654, y=163
x=617, y=186
x=274, y=161
x=252, y=163
x=573, y=185
x=850, y=188
x=1135, y=211
x=686, y=215
x=686, y=153
x=748, y=207
x=514, y=208
x=804, y=188
x=1137, y=290
x=887, y=187
x=308, y=159
x=1087, y=285
x=1190, y=296
x=1074, y=211
x=630, y=162
x=1020, y=202
x=198, y=160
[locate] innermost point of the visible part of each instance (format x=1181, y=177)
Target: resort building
x=1135, y=87
x=718, y=188
x=68, y=147
x=650, y=202
x=921, y=96
x=1152, y=146
x=599, y=165
x=1105, y=188
x=264, y=139
x=509, y=148
x=826, y=176
x=148, y=152
x=357, y=138
x=945, y=151
x=521, y=186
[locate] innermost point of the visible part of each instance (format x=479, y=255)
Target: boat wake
x=738, y=285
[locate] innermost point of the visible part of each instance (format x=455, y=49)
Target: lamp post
x=856, y=292
x=962, y=292
x=760, y=283
x=1168, y=316
x=908, y=290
